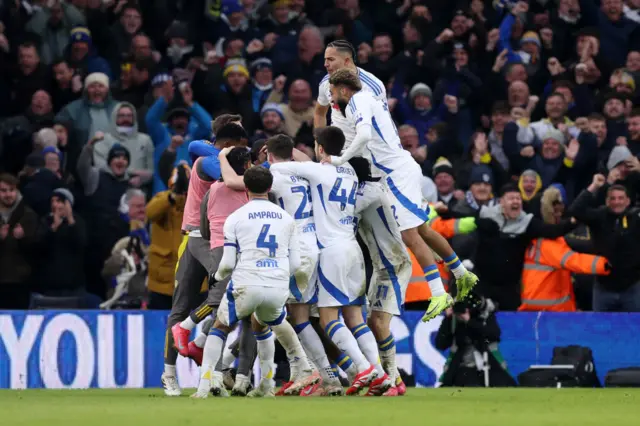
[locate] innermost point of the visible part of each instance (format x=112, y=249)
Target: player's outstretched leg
x=313, y=347
x=368, y=346
x=266, y=353
x=211, y=380
x=347, y=343
x=337, y=358
x=440, y=299
x=303, y=373
x=380, y=322
x=465, y=280
x=247, y=352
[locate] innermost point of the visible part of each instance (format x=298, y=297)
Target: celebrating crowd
x=521, y=115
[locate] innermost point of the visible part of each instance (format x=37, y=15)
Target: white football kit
x=261, y=248
x=341, y=277
x=294, y=196
x=370, y=83
x=389, y=256
x=376, y=134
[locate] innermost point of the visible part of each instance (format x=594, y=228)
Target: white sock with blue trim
x=368, y=345
x=288, y=338
x=348, y=344
x=432, y=275
x=387, y=348
x=266, y=353
x=212, y=351
x=313, y=347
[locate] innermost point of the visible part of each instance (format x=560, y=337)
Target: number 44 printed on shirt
x=339, y=195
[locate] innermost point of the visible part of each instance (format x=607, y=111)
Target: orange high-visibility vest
x=546, y=277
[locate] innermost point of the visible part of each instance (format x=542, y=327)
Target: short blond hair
x=346, y=77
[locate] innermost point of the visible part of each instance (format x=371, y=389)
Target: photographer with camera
x=471, y=331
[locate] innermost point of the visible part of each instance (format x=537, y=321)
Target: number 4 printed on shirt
x=268, y=243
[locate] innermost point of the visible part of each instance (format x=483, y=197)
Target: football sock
x=433, y=278
x=347, y=343
x=266, y=353
x=288, y=338
x=368, y=346
x=387, y=348
x=313, y=347
x=455, y=266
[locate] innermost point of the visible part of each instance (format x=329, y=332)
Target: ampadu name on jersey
x=265, y=215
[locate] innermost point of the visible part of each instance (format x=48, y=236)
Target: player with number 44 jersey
x=341, y=267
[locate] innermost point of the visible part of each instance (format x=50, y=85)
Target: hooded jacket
x=139, y=145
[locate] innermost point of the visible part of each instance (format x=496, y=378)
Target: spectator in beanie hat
x=90, y=113
x=272, y=121
x=103, y=189
x=443, y=177
x=416, y=108
x=235, y=94
x=480, y=191
x=261, y=82
x=82, y=55
x=530, y=185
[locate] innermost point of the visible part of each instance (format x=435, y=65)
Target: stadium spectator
x=124, y=131
x=165, y=211
x=61, y=244
x=90, y=113
x=184, y=123
x=18, y=224
x=615, y=233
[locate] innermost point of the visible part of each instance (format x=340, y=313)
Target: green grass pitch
x=445, y=407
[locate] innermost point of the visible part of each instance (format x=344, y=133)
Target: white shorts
x=341, y=276
x=389, y=288
x=304, y=286
x=406, y=196
x=241, y=301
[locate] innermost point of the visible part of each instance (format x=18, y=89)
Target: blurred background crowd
x=100, y=99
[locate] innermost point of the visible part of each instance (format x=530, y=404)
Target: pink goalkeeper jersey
x=222, y=202
x=195, y=194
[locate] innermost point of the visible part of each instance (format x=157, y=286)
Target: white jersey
x=370, y=84
x=263, y=234
x=294, y=196
x=333, y=190
x=384, y=146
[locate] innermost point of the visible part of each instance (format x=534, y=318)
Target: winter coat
x=61, y=255
x=165, y=216
x=78, y=113
x=15, y=255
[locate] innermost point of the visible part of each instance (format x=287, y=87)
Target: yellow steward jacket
x=166, y=235
x=546, y=278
